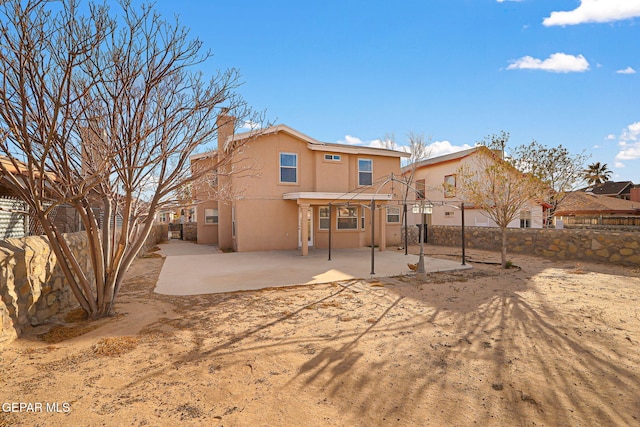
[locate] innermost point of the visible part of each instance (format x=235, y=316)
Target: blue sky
x=560, y=72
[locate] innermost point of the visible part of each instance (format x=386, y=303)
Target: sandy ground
x=551, y=343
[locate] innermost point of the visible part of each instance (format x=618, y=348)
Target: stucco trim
x=320, y=195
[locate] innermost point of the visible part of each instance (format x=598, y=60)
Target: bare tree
x=560, y=170
x=103, y=115
x=496, y=187
x=418, y=150
x=388, y=142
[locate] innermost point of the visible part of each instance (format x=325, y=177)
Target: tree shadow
x=467, y=341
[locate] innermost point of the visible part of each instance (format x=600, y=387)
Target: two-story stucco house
x=295, y=190
x=434, y=179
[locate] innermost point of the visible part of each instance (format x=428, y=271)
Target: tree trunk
x=504, y=247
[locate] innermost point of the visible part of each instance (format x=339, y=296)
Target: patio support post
x=373, y=236
x=330, y=227
x=304, y=230
x=383, y=229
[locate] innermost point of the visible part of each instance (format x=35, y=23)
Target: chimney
x=635, y=194
x=226, y=126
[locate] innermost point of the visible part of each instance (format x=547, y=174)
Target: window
x=449, y=186
x=347, y=218
x=213, y=179
x=211, y=216
x=332, y=157
x=324, y=217
x=365, y=172
x=525, y=219
x=448, y=214
x=362, y=218
x=393, y=214
x=288, y=167
x=163, y=217
x=420, y=186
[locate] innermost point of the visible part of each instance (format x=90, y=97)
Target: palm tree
x=597, y=173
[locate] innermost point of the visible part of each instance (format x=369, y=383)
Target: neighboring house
x=434, y=181
x=293, y=190
x=175, y=214
x=583, y=208
x=621, y=190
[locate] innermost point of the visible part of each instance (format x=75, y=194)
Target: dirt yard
x=549, y=343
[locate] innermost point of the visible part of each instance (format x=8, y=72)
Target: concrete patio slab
x=192, y=269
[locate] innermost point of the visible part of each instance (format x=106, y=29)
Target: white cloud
x=351, y=140
x=595, y=11
x=377, y=143
x=627, y=70
x=435, y=149
x=248, y=124
x=354, y=140
x=515, y=1
x=596, y=146
x=619, y=165
x=440, y=148
x=557, y=63
x=629, y=143
x=611, y=137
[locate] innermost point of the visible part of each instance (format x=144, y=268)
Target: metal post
x=330, y=227
x=373, y=235
x=464, y=258
x=424, y=227
x=420, y=270
x=406, y=228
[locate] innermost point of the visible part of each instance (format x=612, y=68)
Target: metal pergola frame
x=405, y=203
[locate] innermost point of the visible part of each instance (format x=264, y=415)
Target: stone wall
x=588, y=245
x=33, y=288
x=32, y=285
x=190, y=231
x=159, y=233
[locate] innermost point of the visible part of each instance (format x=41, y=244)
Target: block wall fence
x=33, y=288
x=616, y=247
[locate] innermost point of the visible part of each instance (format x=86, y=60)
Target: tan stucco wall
x=265, y=220
x=266, y=225
x=314, y=173
x=207, y=233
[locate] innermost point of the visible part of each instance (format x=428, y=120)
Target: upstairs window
x=365, y=171
x=332, y=157
x=420, y=186
x=449, y=186
x=289, y=167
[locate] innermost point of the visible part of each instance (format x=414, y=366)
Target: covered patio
x=191, y=269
